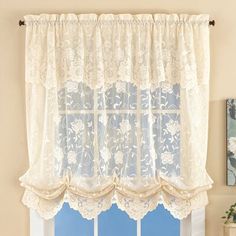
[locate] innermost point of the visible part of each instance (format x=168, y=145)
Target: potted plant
x=230, y=221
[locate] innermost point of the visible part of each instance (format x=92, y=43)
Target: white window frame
x=193, y=225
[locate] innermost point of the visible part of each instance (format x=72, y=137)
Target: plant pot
x=230, y=229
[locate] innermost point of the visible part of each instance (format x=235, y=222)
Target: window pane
x=69, y=222
x=160, y=222
x=115, y=222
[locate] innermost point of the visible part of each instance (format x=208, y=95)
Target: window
x=193, y=225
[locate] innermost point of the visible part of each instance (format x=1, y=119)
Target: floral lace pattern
x=122, y=110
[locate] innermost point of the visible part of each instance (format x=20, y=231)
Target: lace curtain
x=117, y=112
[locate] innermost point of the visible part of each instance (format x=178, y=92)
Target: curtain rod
x=22, y=22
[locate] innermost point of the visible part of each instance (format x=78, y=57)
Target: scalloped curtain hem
x=136, y=208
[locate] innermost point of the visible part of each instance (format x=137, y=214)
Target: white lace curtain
x=117, y=112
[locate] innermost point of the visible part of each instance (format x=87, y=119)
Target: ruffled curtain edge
x=90, y=205
x=47, y=209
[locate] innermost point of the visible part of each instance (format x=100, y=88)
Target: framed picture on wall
x=231, y=141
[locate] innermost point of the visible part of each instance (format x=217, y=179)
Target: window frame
x=192, y=225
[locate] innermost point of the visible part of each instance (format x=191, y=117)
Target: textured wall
x=14, y=220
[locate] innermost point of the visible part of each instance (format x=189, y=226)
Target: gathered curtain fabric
x=117, y=112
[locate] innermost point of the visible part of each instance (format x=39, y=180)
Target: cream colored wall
x=14, y=220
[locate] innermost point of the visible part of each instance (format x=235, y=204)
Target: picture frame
x=231, y=142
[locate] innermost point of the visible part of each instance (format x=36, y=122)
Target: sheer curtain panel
x=117, y=112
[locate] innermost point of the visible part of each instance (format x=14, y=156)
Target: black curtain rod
x=211, y=22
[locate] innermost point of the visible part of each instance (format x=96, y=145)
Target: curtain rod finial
x=21, y=22
x=212, y=22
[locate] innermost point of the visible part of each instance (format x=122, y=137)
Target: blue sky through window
x=115, y=222
x=69, y=222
